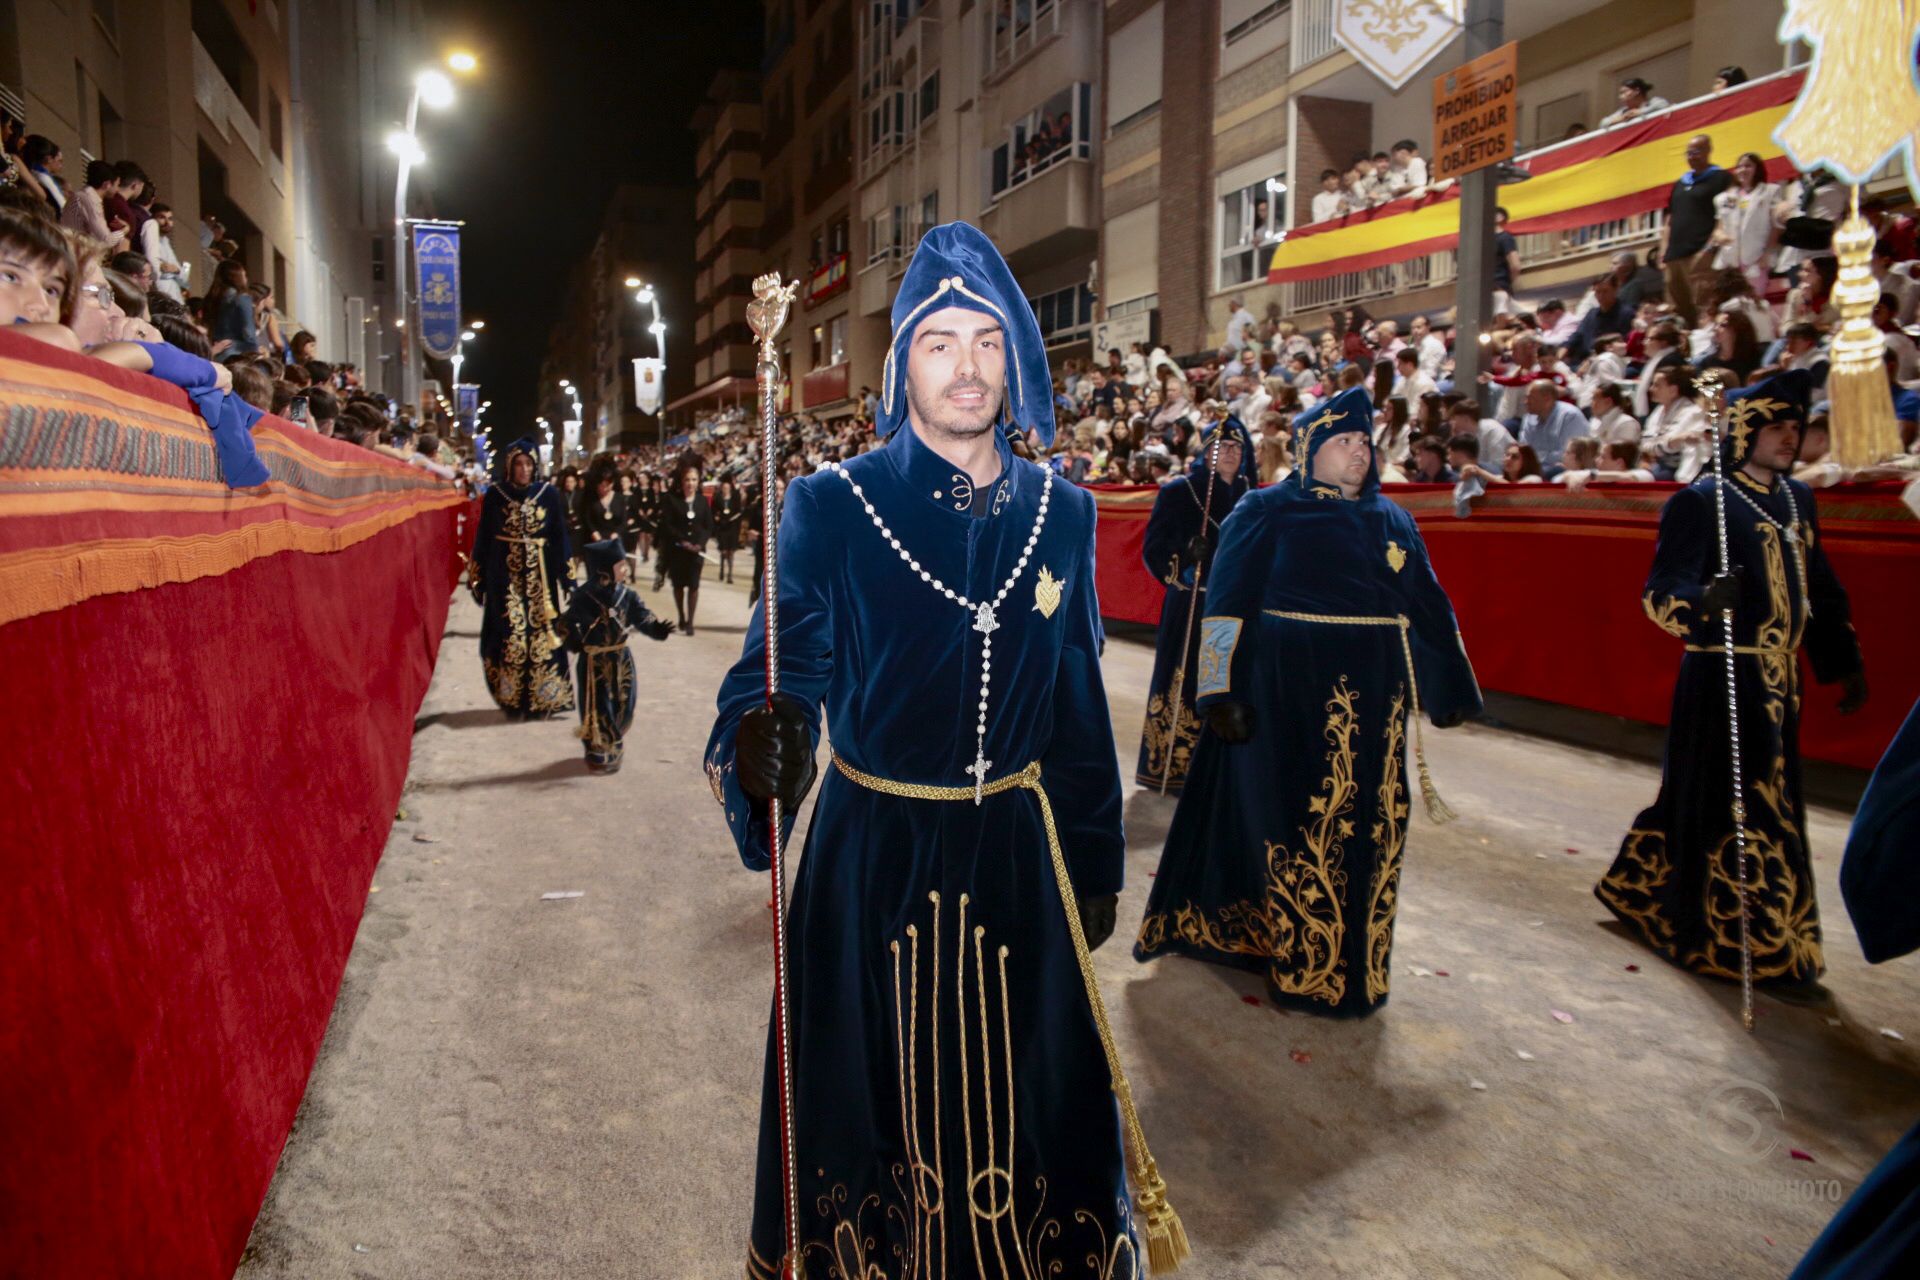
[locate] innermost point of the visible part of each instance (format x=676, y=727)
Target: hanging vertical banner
x=436, y=256
x=466, y=405
x=649, y=380
x=1396, y=38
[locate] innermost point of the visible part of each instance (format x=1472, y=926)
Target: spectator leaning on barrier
x=1637, y=98
x=86, y=210
x=1549, y=423
x=1330, y=201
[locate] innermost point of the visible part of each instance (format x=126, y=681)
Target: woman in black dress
x=646, y=503
x=600, y=512
x=686, y=525
x=632, y=529
x=728, y=512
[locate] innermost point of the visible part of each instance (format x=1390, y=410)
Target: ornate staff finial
x=767, y=313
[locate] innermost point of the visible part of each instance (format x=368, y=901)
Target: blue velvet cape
x=1675, y=880
x=928, y=938
x=1181, y=511
x=522, y=550
x=1284, y=854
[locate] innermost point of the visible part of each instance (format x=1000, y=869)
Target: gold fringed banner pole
x=1862, y=425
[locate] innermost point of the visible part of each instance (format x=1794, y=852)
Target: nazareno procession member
x=599, y=512
x=1676, y=879
x=646, y=512
x=1182, y=534
x=728, y=512
x=685, y=526
x=599, y=614
x=954, y=1083
x=1876, y=1234
x=1325, y=634
x=523, y=554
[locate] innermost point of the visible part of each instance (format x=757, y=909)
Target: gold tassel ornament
x=1862, y=423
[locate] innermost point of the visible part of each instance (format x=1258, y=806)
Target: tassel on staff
x=1863, y=427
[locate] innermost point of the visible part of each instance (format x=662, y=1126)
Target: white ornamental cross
x=979, y=769
x=983, y=619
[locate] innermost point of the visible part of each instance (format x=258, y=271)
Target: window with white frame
x=1250, y=30
x=929, y=99
x=1065, y=315
x=886, y=234
x=929, y=214
x=886, y=121
x=1248, y=225
x=837, y=339
x=1058, y=130
x=1133, y=69
x=1017, y=28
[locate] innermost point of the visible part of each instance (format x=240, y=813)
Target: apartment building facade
x=646, y=235
x=729, y=209
x=1254, y=98
x=262, y=113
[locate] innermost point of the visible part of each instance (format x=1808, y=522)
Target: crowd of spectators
x=92, y=268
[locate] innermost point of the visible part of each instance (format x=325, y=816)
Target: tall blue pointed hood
x=1351, y=410
x=1232, y=429
x=956, y=265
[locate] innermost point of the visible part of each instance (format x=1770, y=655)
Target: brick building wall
x=1189, y=67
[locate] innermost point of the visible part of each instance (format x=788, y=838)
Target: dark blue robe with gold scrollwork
x=595, y=626
x=1180, y=511
x=522, y=550
x=954, y=1113
x=1284, y=855
x=1675, y=881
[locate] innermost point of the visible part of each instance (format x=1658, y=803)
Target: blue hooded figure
x=1675, y=882
x=521, y=553
x=1325, y=635
x=953, y=1097
x=1182, y=534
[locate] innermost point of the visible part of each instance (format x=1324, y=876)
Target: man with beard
x=1325, y=634
x=1181, y=536
x=1676, y=881
x=954, y=1084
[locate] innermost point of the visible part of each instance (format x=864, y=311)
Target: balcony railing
x=1312, y=32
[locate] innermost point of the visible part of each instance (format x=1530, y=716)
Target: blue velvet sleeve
x=1679, y=574
x=806, y=565
x=1079, y=768
x=1447, y=683
x=1167, y=533
x=1234, y=590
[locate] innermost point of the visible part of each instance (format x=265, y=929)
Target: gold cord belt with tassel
x=1167, y=1243
x=1437, y=810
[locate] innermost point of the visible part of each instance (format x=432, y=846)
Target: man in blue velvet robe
x=521, y=553
x=1325, y=633
x=1675, y=882
x=1182, y=534
x=953, y=1107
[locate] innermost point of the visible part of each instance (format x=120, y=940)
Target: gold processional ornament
x=1858, y=109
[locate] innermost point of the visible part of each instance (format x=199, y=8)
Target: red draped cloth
x=209, y=701
x=1547, y=587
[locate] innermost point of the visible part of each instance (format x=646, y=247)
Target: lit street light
x=433, y=87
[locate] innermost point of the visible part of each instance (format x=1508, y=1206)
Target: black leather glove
x=1723, y=593
x=656, y=628
x=1853, y=693
x=1451, y=720
x=773, y=752
x=1097, y=917
x=1231, y=722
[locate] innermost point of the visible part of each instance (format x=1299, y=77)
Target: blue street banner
x=466, y=405
x=436, y=256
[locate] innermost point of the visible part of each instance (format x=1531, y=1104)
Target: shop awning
x=1613, y=173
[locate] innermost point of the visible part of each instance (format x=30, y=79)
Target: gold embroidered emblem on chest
x=1396, y=558
x=1046, y=592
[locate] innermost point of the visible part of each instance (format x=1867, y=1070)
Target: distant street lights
x=433, y=87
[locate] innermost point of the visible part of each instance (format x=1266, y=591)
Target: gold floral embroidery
x=1633, y=886
x=1666, y=614
x=1389, y=841
x=526, y=678
x=1047, y=592
x=1173, y=729
x=1783, y=925
x=1396, y=558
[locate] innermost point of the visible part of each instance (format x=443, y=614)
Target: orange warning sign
x=1475, y=114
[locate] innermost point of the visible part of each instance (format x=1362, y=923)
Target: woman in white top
x=1136, y=367
x=1612, y=424
x=1677, y=427
x=1744, y=211
x=1817, y=195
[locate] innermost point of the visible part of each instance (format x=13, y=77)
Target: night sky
x=564, y=108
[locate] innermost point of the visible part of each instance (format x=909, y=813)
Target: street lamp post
x=436, y=89
x=644, y=295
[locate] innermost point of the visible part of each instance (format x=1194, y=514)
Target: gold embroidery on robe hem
x=922, y=1208
x=1299, y=927
x=1389, y=842
x=1167, y=731
x=526, y=678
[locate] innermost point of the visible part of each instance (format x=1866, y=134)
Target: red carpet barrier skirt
x=208, y=700
x=1547, y=587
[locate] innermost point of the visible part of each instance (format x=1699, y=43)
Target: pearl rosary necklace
x=983, y=611
x=1789, y=533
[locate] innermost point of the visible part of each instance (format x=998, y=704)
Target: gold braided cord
x=1756, y=650
x=1167, y=1242
x=1437, y=809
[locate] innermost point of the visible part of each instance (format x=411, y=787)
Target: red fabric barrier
x=202, y=778
x=1547, y=587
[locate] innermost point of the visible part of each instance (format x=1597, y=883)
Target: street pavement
x=516, y=1086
